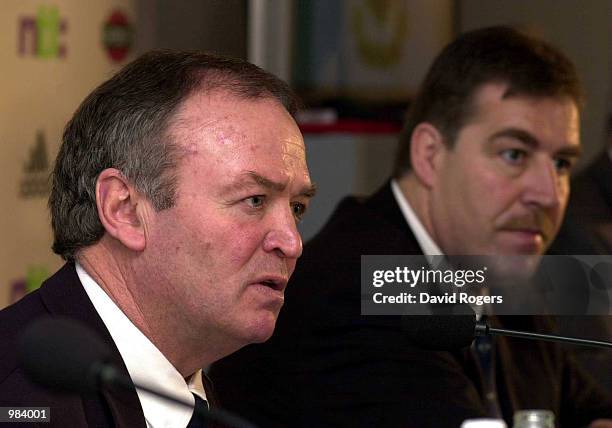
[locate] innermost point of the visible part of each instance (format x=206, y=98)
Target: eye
x=298, y=209
x=563, y=165
x=256, y=201
x=514, y=156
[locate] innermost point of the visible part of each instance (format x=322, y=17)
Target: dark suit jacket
x=62, y=295
x=587, y=228
x=326, y=365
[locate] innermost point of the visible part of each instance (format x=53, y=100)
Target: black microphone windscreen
x=440, y=332
x=62, y=354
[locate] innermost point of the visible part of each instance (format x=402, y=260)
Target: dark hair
x=528, y=66
x=123, y=124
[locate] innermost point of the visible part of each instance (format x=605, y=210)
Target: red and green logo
x=117, y=36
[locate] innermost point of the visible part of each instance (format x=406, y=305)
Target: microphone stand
x=483, y=329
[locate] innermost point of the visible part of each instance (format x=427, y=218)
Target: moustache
x=538, y=221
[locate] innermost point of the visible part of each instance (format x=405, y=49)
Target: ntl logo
x=40, y=35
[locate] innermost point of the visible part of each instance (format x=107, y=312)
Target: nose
x=544, y=186
x=283, y=237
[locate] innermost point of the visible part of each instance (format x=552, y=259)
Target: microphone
x=440, y=332
x=66, y=356
x=63, y=355
x=452, y=332
x=481, y=328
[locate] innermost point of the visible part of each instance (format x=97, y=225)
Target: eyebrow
x=531, y=141
x=308, y=191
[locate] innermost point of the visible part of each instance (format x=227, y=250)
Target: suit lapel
x=602, y=176
x=385, y=214
x=210, y=391
x=64, y=296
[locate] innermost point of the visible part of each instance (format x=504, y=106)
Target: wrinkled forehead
x=231, y=132
x=223, y=109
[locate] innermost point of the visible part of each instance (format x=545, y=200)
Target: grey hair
x=123, y=124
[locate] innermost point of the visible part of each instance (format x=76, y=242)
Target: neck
x=141, y=296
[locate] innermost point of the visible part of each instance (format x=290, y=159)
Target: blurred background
x=356, y=63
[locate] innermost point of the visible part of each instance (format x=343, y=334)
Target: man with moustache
x=175, y=198
x=483, y=169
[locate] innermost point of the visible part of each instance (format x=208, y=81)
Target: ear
x=117, y=201
x=426, y=150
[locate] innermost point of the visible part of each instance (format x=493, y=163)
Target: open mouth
x=530, y=233
x=273, y=283
x=525, y=231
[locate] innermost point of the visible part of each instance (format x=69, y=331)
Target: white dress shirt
x=427, y=244
x=145, y=363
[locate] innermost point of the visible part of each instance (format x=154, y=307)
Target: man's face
x=502, y=189
x=224, y=253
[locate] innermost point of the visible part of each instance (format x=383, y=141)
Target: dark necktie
x=201, y=406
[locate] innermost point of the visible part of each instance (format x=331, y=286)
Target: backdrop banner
x=53, y=53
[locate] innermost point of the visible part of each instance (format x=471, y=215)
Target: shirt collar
x=426, y=242
x=145, y=362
